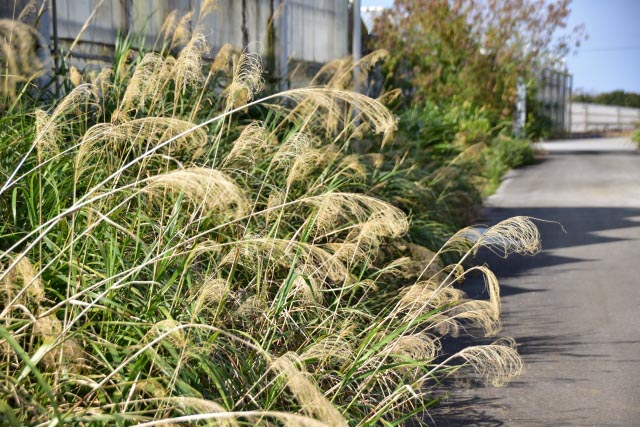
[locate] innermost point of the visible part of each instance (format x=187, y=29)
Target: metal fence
x=586, y=118
x=554, y=93
x=302, y=31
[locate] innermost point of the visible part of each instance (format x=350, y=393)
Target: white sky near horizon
x=610, y=58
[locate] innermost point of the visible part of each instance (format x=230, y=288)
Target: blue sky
x=610, y=58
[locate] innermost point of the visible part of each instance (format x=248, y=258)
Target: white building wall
x=597, y=117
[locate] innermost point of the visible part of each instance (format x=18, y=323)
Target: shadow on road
x=559, y=228
x=582, y=226
x=464, y=411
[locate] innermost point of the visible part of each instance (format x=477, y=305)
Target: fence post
x=245, y=29
x=619, y=118
x=283, y=66
x=586, y=117
x=56, y=50
x=521, y=109
x=356, y=42
x=570, y=103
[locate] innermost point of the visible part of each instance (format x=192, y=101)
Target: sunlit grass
x=168, y=259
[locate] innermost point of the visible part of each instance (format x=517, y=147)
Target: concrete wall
x=596, y=117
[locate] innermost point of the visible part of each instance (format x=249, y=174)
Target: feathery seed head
x=46, y=133
x=330, y=99
x=29, y=11
x=350, y=165
x=376, y=218
x=169, y=25
x=419, y=347
x=497, y=363
x=513, y=235
x=427, y=295
x=75, y=76
x=335, y=347
x=247, y=79
x=182, y=31
x=137, y=136
x=168, y=329
x=21, y=55
x=187, y=70
x=253, y=142
x=307, y=289
x=310, y=259
x=67, y=355
x=310, y=159
x=203, y=406
x=313, y=403
x=254, y=307
x=146, y=83
x=211, y=293
x=207, y=188
x=222, y=59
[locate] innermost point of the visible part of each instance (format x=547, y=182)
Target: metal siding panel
x=148, y=19
x=103, y=28
x=309, y=33
x=317, y=30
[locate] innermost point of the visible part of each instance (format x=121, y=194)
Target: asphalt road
x=574, y=309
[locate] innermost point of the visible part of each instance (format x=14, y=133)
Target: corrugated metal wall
x=316, y=30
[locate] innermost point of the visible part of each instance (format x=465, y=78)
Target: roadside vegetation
x=181, y=245
x=619, y=98
x=457, y=65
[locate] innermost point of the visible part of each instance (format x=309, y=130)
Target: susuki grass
x=165, y=259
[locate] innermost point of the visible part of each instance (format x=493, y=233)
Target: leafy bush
x=636, y=136
x=471, y=51
x=504, y=154
x=448, y=158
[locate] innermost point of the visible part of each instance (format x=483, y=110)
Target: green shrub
x=503, y=154
x=447, y=158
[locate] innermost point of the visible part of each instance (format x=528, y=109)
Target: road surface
x=574, y=308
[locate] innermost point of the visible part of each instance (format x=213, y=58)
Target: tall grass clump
x=24, y=60
x=166, y=258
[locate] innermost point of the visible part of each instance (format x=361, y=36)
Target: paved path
x=574, y=309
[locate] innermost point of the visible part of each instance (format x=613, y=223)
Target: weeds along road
x=574, y=308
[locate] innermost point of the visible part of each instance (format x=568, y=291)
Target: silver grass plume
x=313, y=403
x=207, y=188
x=247, y=80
